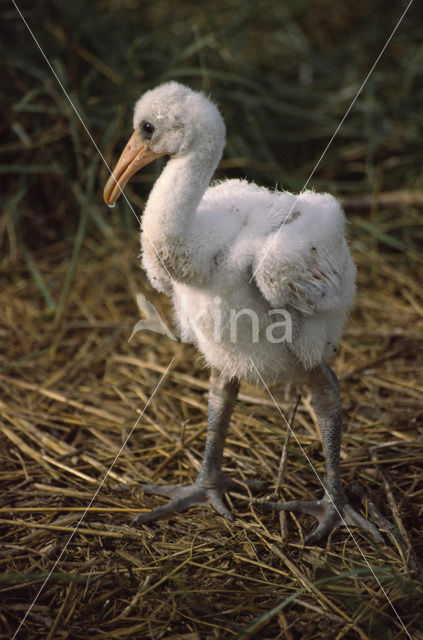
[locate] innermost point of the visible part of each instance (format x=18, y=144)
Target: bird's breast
x=237, y=331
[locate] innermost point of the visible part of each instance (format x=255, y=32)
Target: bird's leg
x=211, y=483
x=333, y=509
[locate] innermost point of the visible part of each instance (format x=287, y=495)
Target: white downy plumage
x=202, y=245
x=261, y=281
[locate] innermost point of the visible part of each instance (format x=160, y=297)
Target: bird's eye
x=148, y=128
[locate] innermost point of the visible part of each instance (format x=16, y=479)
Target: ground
x=286, y=77
x=72, y=391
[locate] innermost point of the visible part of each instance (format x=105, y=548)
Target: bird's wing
x=305, y=264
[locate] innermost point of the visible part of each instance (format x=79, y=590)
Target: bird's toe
x=330, y=513
x=183, y=498
x=216, y=501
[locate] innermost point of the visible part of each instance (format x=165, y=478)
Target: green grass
x=283, y=74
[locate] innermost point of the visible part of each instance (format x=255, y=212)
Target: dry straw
x=65, y=410
x=72, y=387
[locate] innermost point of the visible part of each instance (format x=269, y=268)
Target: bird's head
x=168, y=120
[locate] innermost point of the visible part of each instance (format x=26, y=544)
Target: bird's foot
x=330, y=513
x=184, y=497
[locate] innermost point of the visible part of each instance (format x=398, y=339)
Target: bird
x=261, y=281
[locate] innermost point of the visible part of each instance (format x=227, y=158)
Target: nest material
x=73, y=389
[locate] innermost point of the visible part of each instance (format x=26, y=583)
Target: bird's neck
x=175, y=197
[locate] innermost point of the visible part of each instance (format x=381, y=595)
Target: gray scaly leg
x=333, y=510
x=211, y=483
